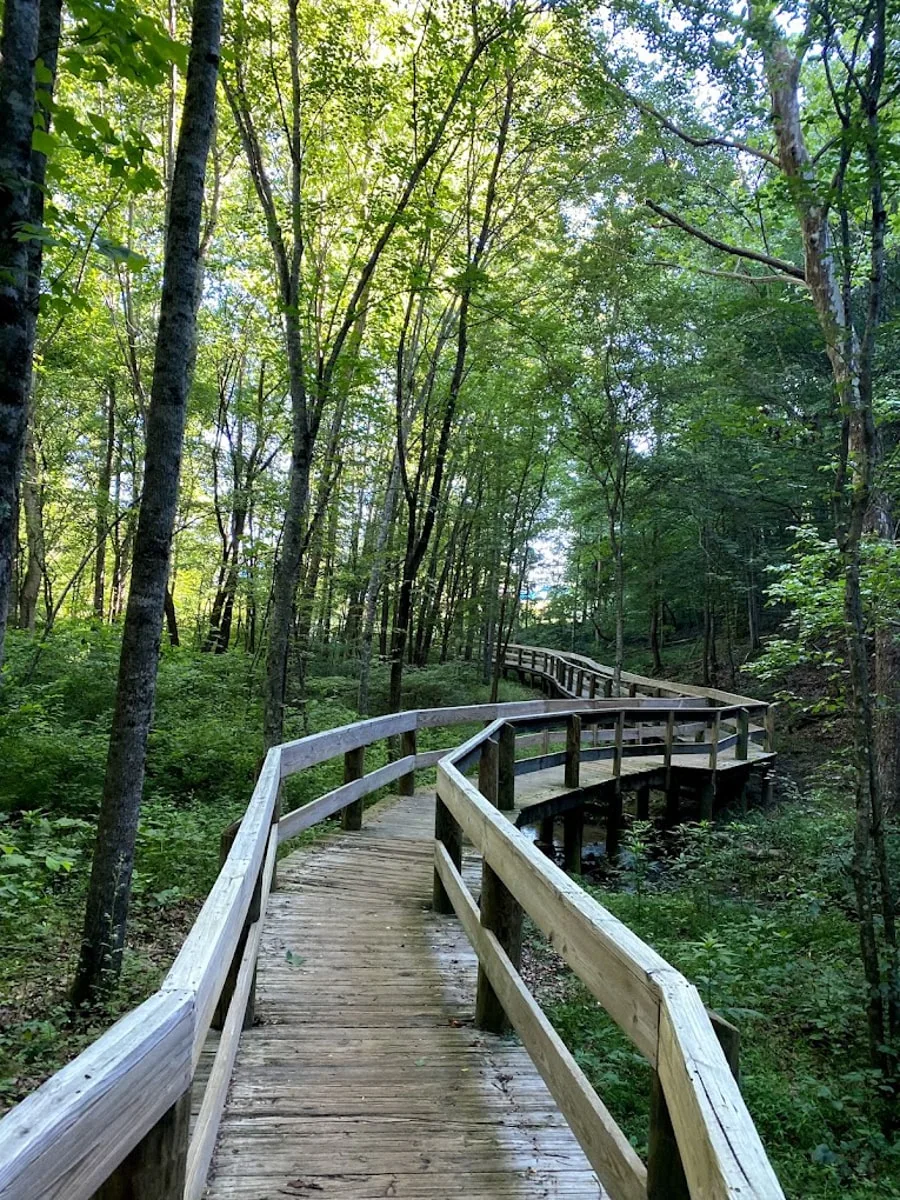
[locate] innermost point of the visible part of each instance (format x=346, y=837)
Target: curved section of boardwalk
x=365, y=1076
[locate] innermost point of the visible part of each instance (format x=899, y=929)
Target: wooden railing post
x=156, y=1168
x=500, y=912
x=506, y=768
x=406, y=785
x=579, y=686
x=714, y=741
x=448, y=831
x=253, y=914
x=742, y=745
x=619, y=742
x=593, y=691
x=354, y=768
x=488, y=770
x=614, y=807
x=770, y=729
x=573, y=751
x=665, y=1171
x=607, y=688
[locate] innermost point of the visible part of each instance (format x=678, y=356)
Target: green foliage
x=758, y=914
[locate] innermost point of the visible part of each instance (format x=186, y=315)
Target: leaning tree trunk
x=111, y=873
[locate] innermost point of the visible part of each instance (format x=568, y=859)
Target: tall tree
x=113, y=863
x=18, y=55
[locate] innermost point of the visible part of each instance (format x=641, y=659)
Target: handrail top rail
x=684, y=689
x=668, y=1024
x=37, y=1136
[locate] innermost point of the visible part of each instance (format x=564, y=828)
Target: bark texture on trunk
x=851, y=357
x=18, y=51
x=111, y=873
x=32, y=506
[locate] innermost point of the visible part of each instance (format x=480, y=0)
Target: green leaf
x=44, y=143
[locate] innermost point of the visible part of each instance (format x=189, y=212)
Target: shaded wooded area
x=403, y=332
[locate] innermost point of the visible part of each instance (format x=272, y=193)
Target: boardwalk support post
x=351, y=816
x=573, y=751
x=446, y=830
x=665, y=1172
x=573, y=835
x=643, y=802
x=155, y=1169
x=407, y=783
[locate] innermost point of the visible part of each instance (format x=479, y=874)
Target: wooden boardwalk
x=544, y=785
x=365, y=1076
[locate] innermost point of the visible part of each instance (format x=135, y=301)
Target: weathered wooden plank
x=310, y=814
x=203, y=1140
x=319, y=747
x=63, y=1140
x=719, y=1146
x=612, y=961
x=604, y=1144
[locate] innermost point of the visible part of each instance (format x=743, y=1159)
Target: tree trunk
x=104, y=477
x=32, y=505
x=111, y=873
x=171, y=619
x=18, y=51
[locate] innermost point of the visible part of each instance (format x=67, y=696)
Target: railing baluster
x=742, y=745
x=156, y=1168
x=714, y=741
x=665, y=1171
x=448, y=831
x=407, y=783
x=506, y=768
x=354, y=768
x=499, y=910
x=573, y=751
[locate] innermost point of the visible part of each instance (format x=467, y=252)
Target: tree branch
x=768, y=260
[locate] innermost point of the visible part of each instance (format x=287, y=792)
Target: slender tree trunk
x=18, y=52
x=32, y=506
x=886, y=729
x=104, y=477
x=111, y=873
x=171, y=619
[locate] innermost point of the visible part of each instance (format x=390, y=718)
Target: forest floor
x=756, y=910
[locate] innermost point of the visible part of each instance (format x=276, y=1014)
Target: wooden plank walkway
x=365, y=1077
x=545, y=785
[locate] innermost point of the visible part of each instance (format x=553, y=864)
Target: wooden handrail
x=126, y=1089
x=654, y=1005
x=603, y=671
